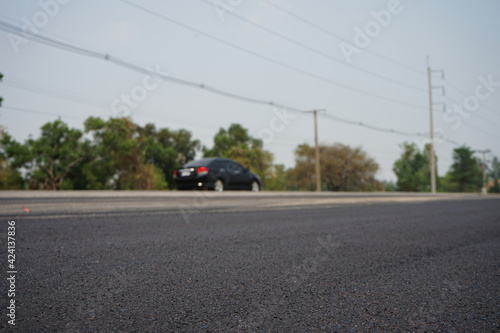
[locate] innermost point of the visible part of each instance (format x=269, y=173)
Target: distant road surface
x=69, y=203
x=246, y=262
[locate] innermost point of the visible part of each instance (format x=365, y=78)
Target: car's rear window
x=202, y=162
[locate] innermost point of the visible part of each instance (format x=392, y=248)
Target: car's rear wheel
x=255, y=187
x=218, y=186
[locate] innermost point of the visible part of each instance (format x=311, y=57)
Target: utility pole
x=318, y=172
x=316, y=158
x=433, y=161
x=432, y=157
x=484, y=190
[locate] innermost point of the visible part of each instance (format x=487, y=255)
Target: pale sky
x=283, y=59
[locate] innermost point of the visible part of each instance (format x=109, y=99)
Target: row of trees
x=119, y=154
x=112, y=154
x=465, y=175
x=342, y=168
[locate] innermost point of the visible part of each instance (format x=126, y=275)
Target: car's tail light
x=201, y=171
x=175, y=173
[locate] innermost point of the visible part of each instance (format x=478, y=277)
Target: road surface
x=29, y=204
x=300, y=264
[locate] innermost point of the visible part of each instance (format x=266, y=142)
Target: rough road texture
x=388, y=267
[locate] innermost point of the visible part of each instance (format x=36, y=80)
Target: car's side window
x=226, y=165
x=220, y=166
x=234, y=168
x=229, y=166
x=216, y=166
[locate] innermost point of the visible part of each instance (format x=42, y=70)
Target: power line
x=27, y=86
x=89, y=53
x=271, y=60
x=482, y=131
x=70, y=96
x=155, y=119
x=466, y=94
x=381, y=129
x=57, y=93
x=78, y=50
x=38, y=112
x=339, y=119
x=318, y=27
x=70, y=48
x=321, y=53
x=491, y=122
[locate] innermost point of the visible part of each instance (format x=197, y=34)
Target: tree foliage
x=10, y=177
x=121, y=155
x=277, y=179
x=167, y=149
x=494, y=174
x=118, y=161
x=342, y=169
x=58, y=149
x=132, y=157
x=412, y=169
x=465, y=171
x=495, y=168
x=48, y=159
x=237, y=144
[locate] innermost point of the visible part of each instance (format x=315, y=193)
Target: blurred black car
x=217, y=174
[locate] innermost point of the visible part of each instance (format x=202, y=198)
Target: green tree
x=495, y=168
x=495, y=188
x=389, y=186
x=495, y=175
x=236, y=136
x=121, y=155
x=119, y=161
x=277, y=180
x=413, y=169
x=342, y=169
x=50, y=158
x=109, y=142
x=10, y=177
x=237, y=144
x=128, y=156
x=183, y=143
x=447, y=184
x=167, y=149
x=465, y=170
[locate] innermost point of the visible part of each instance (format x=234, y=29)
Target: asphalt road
x=36, y=204
x=366, y=267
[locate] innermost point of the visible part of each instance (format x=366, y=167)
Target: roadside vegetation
x=117, y=154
